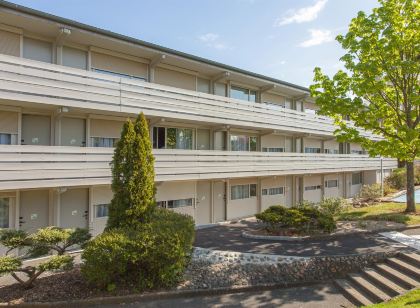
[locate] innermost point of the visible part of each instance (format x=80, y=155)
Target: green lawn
x=388, y=211
x=410, y=300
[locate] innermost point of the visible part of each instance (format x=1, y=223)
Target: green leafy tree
x=41, y=242
x=379, y=89
x=133, y=176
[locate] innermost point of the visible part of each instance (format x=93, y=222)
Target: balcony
x=23, y=167
x=26, y=81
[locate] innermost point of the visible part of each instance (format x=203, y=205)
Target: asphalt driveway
x=228, y=237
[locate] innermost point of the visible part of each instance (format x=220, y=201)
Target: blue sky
x=283, y=39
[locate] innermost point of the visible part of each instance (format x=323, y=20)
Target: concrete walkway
x=318, y=296
x=228, y=237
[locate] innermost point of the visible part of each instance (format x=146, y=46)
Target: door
x=74, y=208
x=36, y=129
x=203, y=139
x=203, y=209
x=219, y=197
x=73, y=132
x=34, y=210
x=220, y=141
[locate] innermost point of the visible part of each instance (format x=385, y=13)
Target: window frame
x=250, y=92
x=360, y=177
x=327, y=185
x=248, y=191
x=248, y=142
x=156, y=137
x=6, y=218
x=104, y=209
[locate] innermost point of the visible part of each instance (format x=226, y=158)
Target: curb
x=107, y=300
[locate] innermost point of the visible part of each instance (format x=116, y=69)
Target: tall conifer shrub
x=133, y=176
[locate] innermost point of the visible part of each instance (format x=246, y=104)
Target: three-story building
x=228, y=143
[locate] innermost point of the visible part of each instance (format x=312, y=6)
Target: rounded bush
x=151, y=255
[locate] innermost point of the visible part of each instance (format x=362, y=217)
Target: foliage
x=369, y=193
x=303, y=218
x=410, y=299
x=379, y=90
x=390, y=211
x=133, y=176
x=57, y=239
x=398, y=178
x=13, y=239
x=43, y=241
x=332, y=206
x=149, y=255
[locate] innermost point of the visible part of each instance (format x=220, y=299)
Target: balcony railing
x=24, y=167
x=43, y=83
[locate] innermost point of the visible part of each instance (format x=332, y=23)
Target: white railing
x=43, y=83
x=24, y=167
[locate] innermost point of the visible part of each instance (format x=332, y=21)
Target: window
x=359, y=152
x=313, y=187
x=331, y=183
x=171, y=204
x=5, y=138
x=102, y=210
x=37, y=50
x=356, y=178
x=4, y=212
x=104, y=142
x=172, y=138
x=106, y=72
x=273, y=191
x=161, y=204
x=203, y=85
x=243, y=143
x=243, y=94
x=243, y=191
x=331, y=151
x=274, y=150
x=73, y=57
x=312, y=150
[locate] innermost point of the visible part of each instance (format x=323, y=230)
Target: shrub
x=43, y=241
x=398, y=178
x=369, y=193
x=150, y=255
x=133, y=176
x=332, y=206
x=303, y=218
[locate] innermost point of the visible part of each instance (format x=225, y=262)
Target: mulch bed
x=58, y=287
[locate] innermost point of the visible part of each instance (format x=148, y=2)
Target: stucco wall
x=242, y=207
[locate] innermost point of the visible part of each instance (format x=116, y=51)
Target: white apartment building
x=228, y=143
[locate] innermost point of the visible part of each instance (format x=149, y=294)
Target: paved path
x=228, y=237
x=318, y=296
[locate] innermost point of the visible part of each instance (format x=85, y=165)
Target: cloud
x=212, y=40
x=318, y=37
x=301, y=15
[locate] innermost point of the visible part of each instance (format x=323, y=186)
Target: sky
x=284, y=39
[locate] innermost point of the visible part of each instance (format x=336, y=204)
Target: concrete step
x=396, y=275
x=368, y=287
x=352, y=293
x=384, y=282
x=410, y=257
x=407, y=268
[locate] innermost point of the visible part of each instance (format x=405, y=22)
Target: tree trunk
x=411, y=204
x=401, y=163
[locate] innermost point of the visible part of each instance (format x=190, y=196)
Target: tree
x=379, y=90
x=133, y=176
x=40, y=243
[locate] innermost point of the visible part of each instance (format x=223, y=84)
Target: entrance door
x=33, y=212
x=203, y=210
x=74, y=208
x=36, y=129
x=73, y=132
x=219, y=197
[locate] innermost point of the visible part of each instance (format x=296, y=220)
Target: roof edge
x=129, y=39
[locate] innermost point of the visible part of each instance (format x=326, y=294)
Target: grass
x=391, y=211
x=410, y=300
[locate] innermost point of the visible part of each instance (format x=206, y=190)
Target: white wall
x=267, y=201
x=177, y=190
x=333, y=192
x=272, y=141
x=99, y=195
x=312, y=195
x=241, y=207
